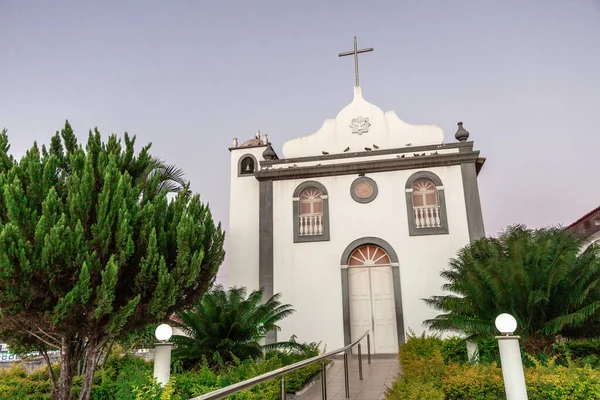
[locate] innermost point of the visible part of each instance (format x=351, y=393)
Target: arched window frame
x=240, y=162
x=412, y=227
x=298, y=238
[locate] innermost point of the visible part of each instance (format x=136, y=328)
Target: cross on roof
x=355, y=52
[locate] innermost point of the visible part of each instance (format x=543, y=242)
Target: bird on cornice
x=346, y=149
x=324, y=153
x=408, y=144
x=367, y=149
x=375, y=146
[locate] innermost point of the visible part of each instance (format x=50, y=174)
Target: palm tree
x=169, y=177
x=541, y=277
x=226, y=324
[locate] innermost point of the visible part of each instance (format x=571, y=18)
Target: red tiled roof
x=583, y=218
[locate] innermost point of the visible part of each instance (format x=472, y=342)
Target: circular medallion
x=363, y=190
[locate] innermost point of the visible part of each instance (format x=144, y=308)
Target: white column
x=473, y=352
x=512, y=368
x=162, y=362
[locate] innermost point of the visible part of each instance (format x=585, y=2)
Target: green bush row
x=579, y=352
x=436, y=369
x=131, y=378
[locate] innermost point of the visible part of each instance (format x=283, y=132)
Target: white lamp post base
x=512, y=368
x=162, y=362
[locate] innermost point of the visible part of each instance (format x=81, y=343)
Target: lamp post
x=510, y=355
x=162, y=354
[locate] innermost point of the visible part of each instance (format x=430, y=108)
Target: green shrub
x=470, y=381
x=16, y=384
x=127, y=377
x=412, y=389
x=454, y=350
x=433, y=370
x=422, y=357
x=556, y=382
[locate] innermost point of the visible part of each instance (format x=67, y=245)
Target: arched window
x=311, y=213
x=369, y=255
x=426, y=204
x=247, y=165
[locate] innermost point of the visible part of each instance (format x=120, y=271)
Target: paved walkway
x=376, y=378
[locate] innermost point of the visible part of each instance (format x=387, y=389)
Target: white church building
x=354, y=224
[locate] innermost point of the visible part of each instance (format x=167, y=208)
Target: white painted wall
x=242, y=235
x=594, y=238
x=308, y=274
x=386, y=130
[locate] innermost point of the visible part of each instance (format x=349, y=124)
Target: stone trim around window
x=296, y=213
x=239, y=167
x=363, y=200
x=412, y=229
x=346, y=285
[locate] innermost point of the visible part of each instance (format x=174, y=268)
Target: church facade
x=354, y=224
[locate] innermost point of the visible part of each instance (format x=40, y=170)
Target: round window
x=363, y=190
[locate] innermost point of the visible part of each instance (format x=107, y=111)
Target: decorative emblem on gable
x=360, y=125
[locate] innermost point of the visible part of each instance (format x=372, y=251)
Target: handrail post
x=369, y=348
x=346, y=380
x=324, y=380
x=360, y=373
x=283, y=388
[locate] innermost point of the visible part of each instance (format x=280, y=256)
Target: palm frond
x=540, y=276
x=230, y=322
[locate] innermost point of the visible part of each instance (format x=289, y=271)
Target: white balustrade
x=311, y=225
x=427, y=217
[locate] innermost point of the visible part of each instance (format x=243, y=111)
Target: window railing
x=427, y=217
x=311, y=224
x=250, y=383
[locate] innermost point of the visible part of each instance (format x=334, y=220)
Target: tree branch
x=50, y=370
x=35, y=335
x=47, y=334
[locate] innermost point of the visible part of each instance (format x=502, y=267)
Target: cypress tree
x=93, y=245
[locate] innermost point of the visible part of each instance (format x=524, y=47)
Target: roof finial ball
x=461, y=134
x=269, y=153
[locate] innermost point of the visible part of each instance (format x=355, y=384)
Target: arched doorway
x=372, y=297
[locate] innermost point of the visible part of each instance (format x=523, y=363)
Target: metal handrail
x=257, y=380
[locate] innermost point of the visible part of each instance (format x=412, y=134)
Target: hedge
x=432, y=372
x=131, y=378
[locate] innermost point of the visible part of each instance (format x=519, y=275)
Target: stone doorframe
x=395, y=276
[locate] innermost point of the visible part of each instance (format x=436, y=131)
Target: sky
x=188, y=76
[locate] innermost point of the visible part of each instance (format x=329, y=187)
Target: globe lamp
x=506, y=324
x=163, y=332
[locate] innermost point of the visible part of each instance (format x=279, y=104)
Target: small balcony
x=311, y=224
x=427, y=217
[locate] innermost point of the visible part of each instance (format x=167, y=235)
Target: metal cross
x=355, y=52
